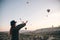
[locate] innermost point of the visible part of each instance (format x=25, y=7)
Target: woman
x=14, y=30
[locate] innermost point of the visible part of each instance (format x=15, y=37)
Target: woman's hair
x=12, y=23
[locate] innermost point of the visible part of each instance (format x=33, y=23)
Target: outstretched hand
x=24, y=22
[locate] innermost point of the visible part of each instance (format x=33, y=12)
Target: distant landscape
x=35, y=35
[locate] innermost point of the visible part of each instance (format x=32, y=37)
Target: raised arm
x=21, y=25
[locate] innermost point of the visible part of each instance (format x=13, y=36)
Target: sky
x=35, y=11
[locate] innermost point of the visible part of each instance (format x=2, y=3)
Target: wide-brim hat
x=13, y=22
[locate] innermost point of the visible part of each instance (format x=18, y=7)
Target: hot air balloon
x=25, y=28
x=48, y=10
x=27, y=2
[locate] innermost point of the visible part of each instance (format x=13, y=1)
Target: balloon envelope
x=48, y=10
x=27, y=2
x=25, y=28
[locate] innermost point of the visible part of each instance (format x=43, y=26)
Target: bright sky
x=35, y=12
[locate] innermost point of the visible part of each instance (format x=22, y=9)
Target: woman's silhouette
x=14, y=30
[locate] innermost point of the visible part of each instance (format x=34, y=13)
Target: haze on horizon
x=35, y=12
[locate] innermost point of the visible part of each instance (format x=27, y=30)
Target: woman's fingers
x=26, y=21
